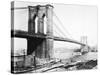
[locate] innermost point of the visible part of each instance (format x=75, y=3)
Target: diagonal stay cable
x=55, y=30
x=61, y=24
x=59, y=29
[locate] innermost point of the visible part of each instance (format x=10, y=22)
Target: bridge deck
x=24, y=34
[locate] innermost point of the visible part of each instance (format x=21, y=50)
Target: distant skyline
x=78, y=20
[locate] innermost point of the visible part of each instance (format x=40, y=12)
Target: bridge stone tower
x=84, y=41
x=42, y=48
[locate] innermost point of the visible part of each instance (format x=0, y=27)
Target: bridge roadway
x=25, y=34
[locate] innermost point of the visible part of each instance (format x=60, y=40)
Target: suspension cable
x=61, y=24
x=54, y=29
x=59, y=29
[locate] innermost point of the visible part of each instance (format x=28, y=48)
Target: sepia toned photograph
x=51, y=37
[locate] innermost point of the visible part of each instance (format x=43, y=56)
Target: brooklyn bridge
x=40, y=44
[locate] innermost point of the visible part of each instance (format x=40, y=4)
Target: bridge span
x=24, y=34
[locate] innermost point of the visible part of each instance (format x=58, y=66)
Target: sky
x=77, y=21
